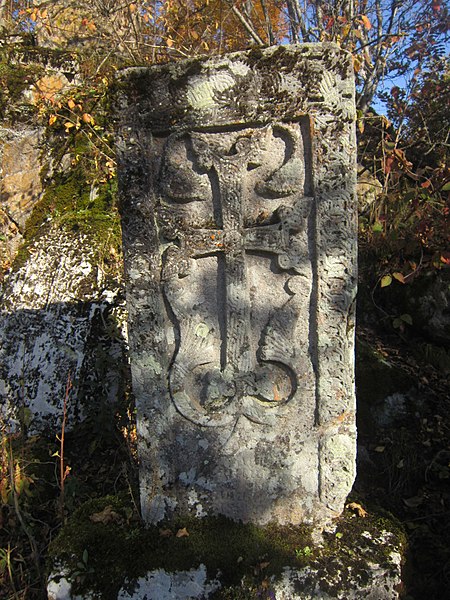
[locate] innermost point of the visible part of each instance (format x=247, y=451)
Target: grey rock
x=48, y=310
x=182, y=585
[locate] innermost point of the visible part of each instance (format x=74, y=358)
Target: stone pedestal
x=237, y=184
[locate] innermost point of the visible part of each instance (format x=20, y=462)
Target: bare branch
x=270, y=35
x=246, y=24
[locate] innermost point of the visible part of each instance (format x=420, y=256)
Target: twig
x=63, y=471
x=247, y=25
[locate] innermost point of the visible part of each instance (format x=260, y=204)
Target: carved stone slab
x=237, y=182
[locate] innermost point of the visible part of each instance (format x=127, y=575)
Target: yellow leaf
x=386, y=280
x=44, y=13
x=366, y=22
x=71, y=104
x=52, y=119
x=357, y=64
x=69, y=125
x=132, y=8
x=346, y=30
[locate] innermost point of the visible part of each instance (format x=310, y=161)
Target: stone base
x=368, y=566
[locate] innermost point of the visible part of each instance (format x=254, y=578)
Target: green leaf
x=377, y=227
x=85, y=556
x=406, y=319
x=446, y=187
x=386, y=280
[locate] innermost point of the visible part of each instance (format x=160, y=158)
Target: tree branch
x=246, y=24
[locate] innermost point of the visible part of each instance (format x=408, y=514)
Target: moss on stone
x=125, y=550
x=355, y=546
x=68, y=203
x=15, y=78
x=247, y=556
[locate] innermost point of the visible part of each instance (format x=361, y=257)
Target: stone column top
x=257, y=86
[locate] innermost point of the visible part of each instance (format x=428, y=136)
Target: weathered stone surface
x=20, y=186
x=237, y=179
x=163, y=585
x=50, y=310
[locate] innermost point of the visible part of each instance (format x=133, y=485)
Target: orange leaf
x=87, y=118
x=169, y=42
x=165, y=533
x=425, y=184
x=398, y=276
x=52, y=119
x=132, y=8
x=366, y=22
x=388, y=164
x=71, y=104
x=357, y=508
x=182, y=533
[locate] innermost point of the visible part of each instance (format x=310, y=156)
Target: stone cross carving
x=238, y=375
x=237, y=181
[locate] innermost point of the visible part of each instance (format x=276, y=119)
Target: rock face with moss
x=59, y=234
x=237, y=180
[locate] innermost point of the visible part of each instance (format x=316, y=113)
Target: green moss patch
x=68, y=204
x=104, y=545
x=117, y=547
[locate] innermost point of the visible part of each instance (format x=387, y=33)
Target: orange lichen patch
x=276, y=393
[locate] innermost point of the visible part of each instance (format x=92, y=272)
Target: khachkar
x=237, y=184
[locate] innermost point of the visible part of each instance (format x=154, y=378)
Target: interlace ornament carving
x=248, y=381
